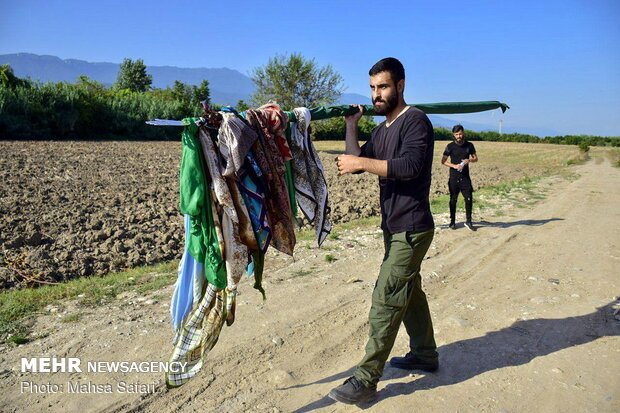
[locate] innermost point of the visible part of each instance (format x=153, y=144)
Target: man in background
x=461, y=154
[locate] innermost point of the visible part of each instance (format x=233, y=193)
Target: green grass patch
x=362, y=223
x=71, y=318
x=17, y=339
x=329, y=258
x=17, y=306
x=537, y=197
x=336, y=234
x=441, y=204
x=519, y=193
x=305, y=235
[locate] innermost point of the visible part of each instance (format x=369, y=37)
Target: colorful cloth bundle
x=239, y=184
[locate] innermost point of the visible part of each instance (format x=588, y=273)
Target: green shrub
x=329, y=258
x=88, y=109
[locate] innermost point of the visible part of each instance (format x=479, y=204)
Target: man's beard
x=388, y=105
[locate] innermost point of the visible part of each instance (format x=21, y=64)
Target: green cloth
x=398, y=297
x=288, y=177
x=290, y=185
x=195, y=201
x=326, y=112
x=259, y=265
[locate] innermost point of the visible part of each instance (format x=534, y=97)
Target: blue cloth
x=190, y=279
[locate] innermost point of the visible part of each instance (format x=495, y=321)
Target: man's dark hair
x=389, y=64
x=458, y=128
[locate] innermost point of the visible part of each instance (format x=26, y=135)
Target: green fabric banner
x=195, y=201
x=326, y=112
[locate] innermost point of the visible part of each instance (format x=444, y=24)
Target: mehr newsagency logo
x=75, y=365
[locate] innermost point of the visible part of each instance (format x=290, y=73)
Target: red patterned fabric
x=277, y=121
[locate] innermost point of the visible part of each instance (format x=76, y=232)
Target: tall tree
x=8, y=78
x=132, y=75
x=201, y=92
x=182, y=91
x=241, y=105
x=294, y=81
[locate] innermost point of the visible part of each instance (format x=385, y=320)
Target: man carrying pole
x=400, y=152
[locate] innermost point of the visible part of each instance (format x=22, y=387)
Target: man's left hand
x=348, y=164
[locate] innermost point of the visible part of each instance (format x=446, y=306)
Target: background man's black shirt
x=457, y=153
x=408, y=146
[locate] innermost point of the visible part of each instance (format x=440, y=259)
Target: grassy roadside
x=18, y=307
x=610, y=154
x=516, y=193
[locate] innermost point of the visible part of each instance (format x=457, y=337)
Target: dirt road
x=523, y=312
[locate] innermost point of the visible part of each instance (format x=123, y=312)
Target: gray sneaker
x=352, y=391
x=470, y=226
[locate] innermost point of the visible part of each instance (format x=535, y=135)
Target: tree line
x=580, y=140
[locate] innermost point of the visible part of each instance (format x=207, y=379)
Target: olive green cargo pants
x=398, y=297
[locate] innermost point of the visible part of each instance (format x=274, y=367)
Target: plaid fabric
x=200, y=333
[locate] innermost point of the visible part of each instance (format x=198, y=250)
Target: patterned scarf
x=270, y=161
x=235, y=138
x=309, y=176
x=252, y=186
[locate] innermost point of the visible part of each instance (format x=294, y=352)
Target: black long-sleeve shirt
x=407, y=144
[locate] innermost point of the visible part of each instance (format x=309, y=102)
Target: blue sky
x=556, y=63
